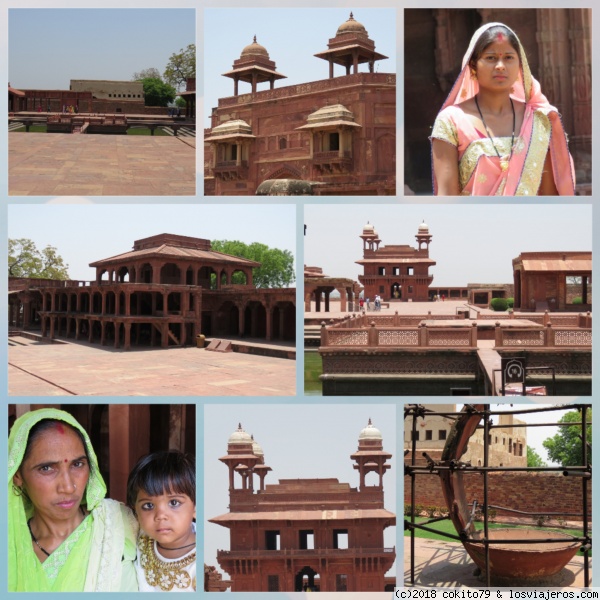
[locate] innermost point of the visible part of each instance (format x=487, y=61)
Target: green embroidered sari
x=97, y=556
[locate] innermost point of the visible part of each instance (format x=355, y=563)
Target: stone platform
x=42, y=164
x=80, y=368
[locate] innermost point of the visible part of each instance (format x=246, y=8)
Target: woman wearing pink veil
x=497, y=134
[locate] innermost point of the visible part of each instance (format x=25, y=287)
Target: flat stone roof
x=56, y=164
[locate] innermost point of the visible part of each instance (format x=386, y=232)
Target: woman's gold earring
x=474, y=74
x=17, y=491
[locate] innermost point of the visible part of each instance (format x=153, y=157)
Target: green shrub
x=499, y=304
x=510, y=302
x=578, y=300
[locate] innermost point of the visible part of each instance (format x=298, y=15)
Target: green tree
x=25, y=260
x=277, y=266
x=181, y=65
x=180, y=102
x=157, y=92
x=151, y=73
x=534, y=459
x=565, y=447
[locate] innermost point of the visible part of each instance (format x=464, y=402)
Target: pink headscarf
x=528, y=90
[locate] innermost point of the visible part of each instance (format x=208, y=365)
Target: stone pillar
x=117, y=333
x=52, y=324
x=235, y=86
x=330, y=68
x=241, y=321
x=318, y=300
x=127, y=303
x=103, y=309
x=90, y=331
x=269, y=324
x=343, y=300
x=272, y=82
x=254, y=82
x=281, y=322
x=327, y=292
x=355, y=60
x=77, y=328
x=117, y=302
x=52, y=302
x=103, y=333
x=182, y=339
x=127, y=340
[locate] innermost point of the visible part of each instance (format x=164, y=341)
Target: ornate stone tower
x=306, y=534
x=370, y=456
x=399, y=272
x=253, y=66
x=350, y=47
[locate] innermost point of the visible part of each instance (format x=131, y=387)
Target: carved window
x=520, y=449
x=340, y=539
x=272, y=540
x=307, y=539
x=442, y=434
x=410, y=271
x=510, y=446
x=381, y=270
x=396, y=270
x=282, y=143
x=334, y=142
x=428, y=434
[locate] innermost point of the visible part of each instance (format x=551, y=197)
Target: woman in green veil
x=63, y=534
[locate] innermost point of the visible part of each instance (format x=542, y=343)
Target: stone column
x=327, y=292
x=103, y=333
x=330, y=68
x=127, y=341
x=269, y=324
x=355, y=60
x=90, y=331
x=343, y=300
x=103, y=309
x=52, y=324
x=127, y=303
x=241, y=321
x=77, y=328
x=235, y=86
x=117, y=333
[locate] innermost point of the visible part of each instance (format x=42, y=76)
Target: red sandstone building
x=301, y=534
x=164, y=292
x=552, y=280
x=396, y=273
x=337, y=133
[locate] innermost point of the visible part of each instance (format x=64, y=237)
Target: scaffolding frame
x=416, y=411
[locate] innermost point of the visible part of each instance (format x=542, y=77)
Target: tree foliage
x=25, y=260
x=151, y=73
x=277, y=266
x=181, y=65
x=157, y=92
x=565, y=448
x=533, y=458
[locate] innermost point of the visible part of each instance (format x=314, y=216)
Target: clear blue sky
x=471, y=243
x=299, y=441
x=291, y=36
x=49, y=47
x=86, y=233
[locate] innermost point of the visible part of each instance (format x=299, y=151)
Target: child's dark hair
x=165, y=472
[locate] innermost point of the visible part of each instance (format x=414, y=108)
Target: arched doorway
x=396, y=292
x=305, y=580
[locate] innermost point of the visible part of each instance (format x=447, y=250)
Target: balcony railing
x=316, y=552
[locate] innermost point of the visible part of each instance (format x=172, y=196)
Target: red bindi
x=60, y=428
x=66, y=460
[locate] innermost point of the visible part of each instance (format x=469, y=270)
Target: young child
x=161, y=491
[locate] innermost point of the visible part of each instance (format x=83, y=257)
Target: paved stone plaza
x=41, y=164
x=37, y=369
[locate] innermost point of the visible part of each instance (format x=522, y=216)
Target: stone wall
x=532, y=492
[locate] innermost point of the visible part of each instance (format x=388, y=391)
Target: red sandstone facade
x=339, y=132
x=545, y=280
x=164, y=292
x=396, y=273
x=318, y=287
x=283, y=539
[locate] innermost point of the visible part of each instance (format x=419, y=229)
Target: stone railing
x=543, y=337
x=291, y=552
x=395, y=320
x=313, y=86
x=398, y=337
x=556, y=319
